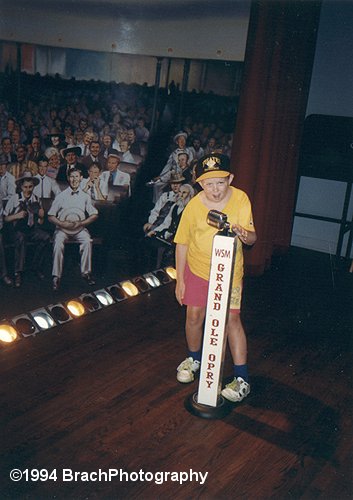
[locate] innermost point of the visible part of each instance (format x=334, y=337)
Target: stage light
x=8, y=333
x=117, y=292
x=43, y=319
x=141, y=284
x=76, y=308
x=152, y=280
x=129, y=288
x=171, y=272
x=89, y=302
x=163, y=277
x=25, y=325
x=104, y=298
x=50, y=316
x=59, y=313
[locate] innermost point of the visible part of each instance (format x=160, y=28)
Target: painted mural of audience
x=104, y=131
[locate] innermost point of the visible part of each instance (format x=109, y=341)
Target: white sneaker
x=186, y=370
x=237, y=390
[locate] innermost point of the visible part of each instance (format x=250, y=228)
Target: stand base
x=205, y=411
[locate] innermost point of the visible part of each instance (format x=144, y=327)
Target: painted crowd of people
x=91, y=140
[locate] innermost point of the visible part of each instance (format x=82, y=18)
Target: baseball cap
x=212, y=165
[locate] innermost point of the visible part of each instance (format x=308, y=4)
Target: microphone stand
x=208, y=401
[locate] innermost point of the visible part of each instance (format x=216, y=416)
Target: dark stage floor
x=99, y=394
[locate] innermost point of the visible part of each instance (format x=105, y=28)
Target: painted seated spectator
x=183, y=167
x=6, y=149
x=43, y=133
x=121, y=135
x=95, y=185
x=69, y=134
x=192, y=169
x=196, y=149
x=160, y=237
x=47, y=186
x=116, y=121
x=226, y=143
x=161, y=181
x=15, y=138
x=72, y=211
x=51, y=117
x=56, y=139
x=167, y=229
x=4, y=278
x=134, y=144
x=113, y=176
x=125, y=154
x=7, y=180
x=161, y=209
x=105, y=149
x=210, y=146
x=10, y=126
x=24, y=210
x=88, y=137
x=36, y=150
x=93, y=156
x=97, y=120
x=83, y=123
x=141, y=131
x=70, y=156
x=53, y=162
x=22, y=165
x=78, y=137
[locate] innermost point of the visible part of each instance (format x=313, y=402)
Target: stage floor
x=99, y=395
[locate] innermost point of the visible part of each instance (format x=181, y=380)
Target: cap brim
x=213, y=175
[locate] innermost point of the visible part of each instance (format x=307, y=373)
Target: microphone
x=219, y=220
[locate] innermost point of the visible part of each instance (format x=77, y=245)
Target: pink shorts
x=196, y=290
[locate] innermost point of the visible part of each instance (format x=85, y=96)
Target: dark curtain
x=278, y=63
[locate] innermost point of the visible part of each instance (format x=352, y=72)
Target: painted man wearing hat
x=194, y=240
x=180, y=140
x=56, y=139
x=172, y=164
x=70, y=156
x=164, y=204
x=26, y=213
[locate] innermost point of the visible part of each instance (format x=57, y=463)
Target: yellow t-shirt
x=194, y=232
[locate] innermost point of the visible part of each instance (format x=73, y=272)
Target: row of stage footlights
x=42, y=319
